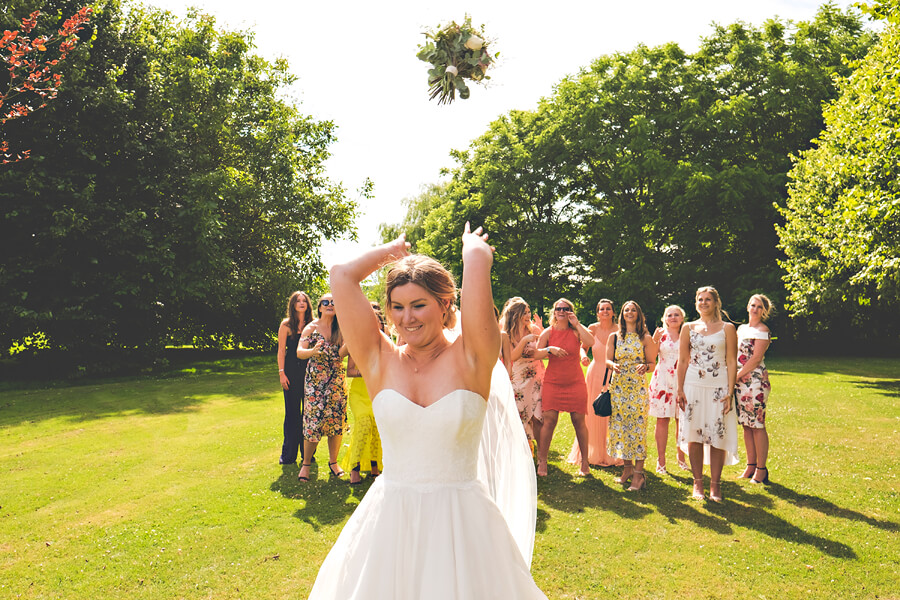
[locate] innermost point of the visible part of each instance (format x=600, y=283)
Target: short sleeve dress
x=564, y=388
x=705, y=384
x=752, y=393
x=325, y=413
x=664, y=380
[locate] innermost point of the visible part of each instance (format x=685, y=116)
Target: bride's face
x=416, y=314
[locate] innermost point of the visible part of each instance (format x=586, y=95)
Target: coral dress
x=753, y=393
x=628, y=391
x=597, y=427
x=705, y=384
x=527, y=379
x=665, y=380
x=427, y=527
x=325, y=413
x=564, y=388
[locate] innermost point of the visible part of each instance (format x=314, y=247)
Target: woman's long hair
x=511, y=318
x=715, y=294
x=336, y=339
x=296, y=321
x=431, y=275
x=553, y=312
x=640, y=327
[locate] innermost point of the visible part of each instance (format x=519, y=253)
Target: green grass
x=169, y=487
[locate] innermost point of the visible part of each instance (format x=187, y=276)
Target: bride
x=427, y=527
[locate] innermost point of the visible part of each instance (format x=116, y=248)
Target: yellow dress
x=630, y=402
x=365, y=443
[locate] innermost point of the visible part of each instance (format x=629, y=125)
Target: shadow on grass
x=827, y=508
x=885, y=387
x=328, y=501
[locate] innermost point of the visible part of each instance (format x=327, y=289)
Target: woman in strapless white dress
x=428, y=527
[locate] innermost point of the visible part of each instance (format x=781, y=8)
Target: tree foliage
x=173, y=193
x=840, y=237
x=652, y=171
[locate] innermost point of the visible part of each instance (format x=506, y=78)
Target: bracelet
x=281, y=370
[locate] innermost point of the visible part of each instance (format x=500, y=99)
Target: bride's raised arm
x=359, y=325
x=480, y=333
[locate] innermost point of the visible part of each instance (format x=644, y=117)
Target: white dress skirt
x=428, y=528
x=705, y=384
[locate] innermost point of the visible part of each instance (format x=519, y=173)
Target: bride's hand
x=398, y=248
x=475, y=238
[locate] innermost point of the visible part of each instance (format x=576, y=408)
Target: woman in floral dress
x=752, y=389
x=707, y=366
x=326, y=392
x=663, y=383
x=596, y=379
x=629, y=352
x=527, y=364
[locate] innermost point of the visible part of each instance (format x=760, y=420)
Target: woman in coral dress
x=752, y=389
x=629, y=352
x=707, y=366
x=663, y=384
x=596, y=379
x=564, y=388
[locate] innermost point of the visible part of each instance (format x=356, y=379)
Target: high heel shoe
x=300, y=476
x=355, y=478
x=335, y=474
x=683, y=465
x=715, y=497
x=627, y=475
x=764, y=480
x=748, y=472
x=698, y=495
x=634, y=486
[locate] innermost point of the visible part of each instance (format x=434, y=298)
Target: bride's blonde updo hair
x=431, y=275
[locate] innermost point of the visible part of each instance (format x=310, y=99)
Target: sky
x=356, y=66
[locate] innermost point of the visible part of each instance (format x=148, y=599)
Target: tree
x=172, y=195
x=30, y=75
x=840, y=235
x=654, y=171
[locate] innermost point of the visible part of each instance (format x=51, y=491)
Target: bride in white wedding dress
x=428, y=528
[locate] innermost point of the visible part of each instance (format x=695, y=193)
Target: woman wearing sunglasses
x=326, y=392
x=564, y=388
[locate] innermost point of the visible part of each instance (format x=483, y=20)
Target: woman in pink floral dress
x=752, y=387
x=326, y=387
x=527, y=364
x=663, y=384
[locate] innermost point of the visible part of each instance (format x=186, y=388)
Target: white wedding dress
x=428, y=528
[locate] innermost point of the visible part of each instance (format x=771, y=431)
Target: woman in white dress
x=707, y=367
x=663, y=384
x=427, y=527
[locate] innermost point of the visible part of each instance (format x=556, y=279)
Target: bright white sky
x=357, y=66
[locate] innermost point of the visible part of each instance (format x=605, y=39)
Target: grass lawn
x=169, y=487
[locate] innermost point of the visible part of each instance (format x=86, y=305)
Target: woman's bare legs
x=581, y=434
x=695, y=453
x=761, y=441
x=547, y=428
x=662, y=437
x=716, y=462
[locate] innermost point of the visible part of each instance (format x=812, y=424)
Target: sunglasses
x=562, y=309
x=326, y=302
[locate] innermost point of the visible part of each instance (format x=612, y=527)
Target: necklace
x=429, y=359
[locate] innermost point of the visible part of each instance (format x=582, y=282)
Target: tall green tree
x=172, y=192
x=654, y=171
x=841, y=236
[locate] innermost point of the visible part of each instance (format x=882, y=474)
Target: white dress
x=705, y=383
x=427, y=528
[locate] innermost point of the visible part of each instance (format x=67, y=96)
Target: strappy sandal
x=334, y=474
x=701, y=496
x=764, y=480
x=626, y=476
x=716, y=497
x=634, y=487
x=355, y=471
x=748, y=472
x=306, y=466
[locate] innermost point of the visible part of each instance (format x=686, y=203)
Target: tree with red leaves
x=32, y=82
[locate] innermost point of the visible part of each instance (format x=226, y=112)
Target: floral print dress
x=628, y=391
x=664, y=380
x=752, y=393
x=705, y=384
x=325, y=413
x=527, y=377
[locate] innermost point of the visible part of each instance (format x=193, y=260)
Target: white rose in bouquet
x=474, y=43
x=452, y=70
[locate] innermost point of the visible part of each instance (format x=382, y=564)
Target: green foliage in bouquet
x=456, y=53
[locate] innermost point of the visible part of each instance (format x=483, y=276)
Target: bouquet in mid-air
x=457, y=53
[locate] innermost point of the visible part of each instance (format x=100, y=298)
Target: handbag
x=603, y=402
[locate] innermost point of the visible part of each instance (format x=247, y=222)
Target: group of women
x=433, y=525
x=705, y=374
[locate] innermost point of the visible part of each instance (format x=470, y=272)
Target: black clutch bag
x=603, y=405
